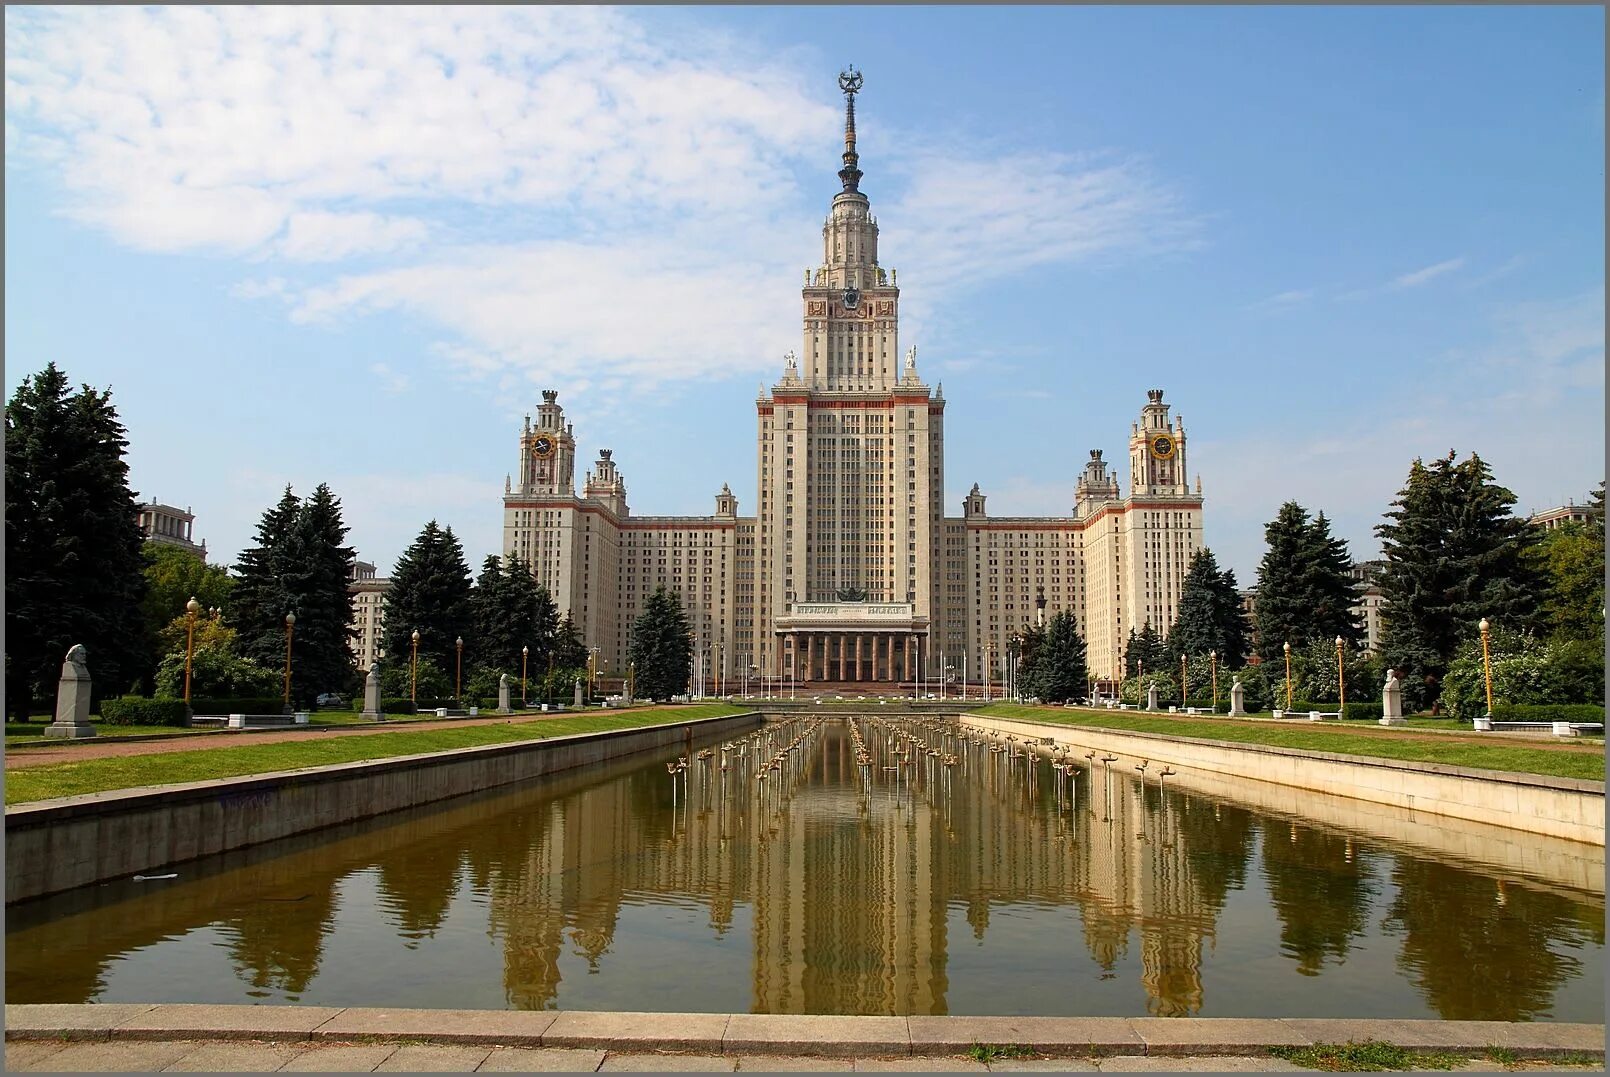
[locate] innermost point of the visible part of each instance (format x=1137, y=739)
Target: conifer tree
x=1454, y=555
x=262, y=594
x=1281, y=607
x=1146, y=650
x=430, y=594
x=510, y=610
x=74, y=569
x=1055, y=670
x=569, y=649
x=662, y=647
x=1210, y=616
x=1328, y=585
x=323, y=659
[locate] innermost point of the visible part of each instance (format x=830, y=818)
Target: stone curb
x=817, y=1035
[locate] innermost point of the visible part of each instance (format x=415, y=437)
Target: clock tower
x=1157, y=451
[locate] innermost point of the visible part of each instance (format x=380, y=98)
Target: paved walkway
x=148, y=1038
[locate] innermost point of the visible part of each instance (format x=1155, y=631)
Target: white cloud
x=1421, y=276
x=556, y=191
x=390, y=381
x=1284, y=299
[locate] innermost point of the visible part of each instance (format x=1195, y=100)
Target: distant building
x=1568, y=513
x=1366, y=577
x=368, y=593
x=170, y=526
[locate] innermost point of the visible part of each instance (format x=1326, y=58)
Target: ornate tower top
x=850, y=83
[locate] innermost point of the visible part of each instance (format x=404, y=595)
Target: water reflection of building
x=850, y=899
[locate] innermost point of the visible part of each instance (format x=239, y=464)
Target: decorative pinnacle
x=850, y=174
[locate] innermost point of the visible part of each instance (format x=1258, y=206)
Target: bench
x=1320, y=716
x=1559, y=729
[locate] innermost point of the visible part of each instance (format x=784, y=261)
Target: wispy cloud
x=390, y=381
x=1421, y=276
x=1284, y=299
x=555, y=191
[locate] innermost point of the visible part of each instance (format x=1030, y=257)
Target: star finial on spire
x=850, y=82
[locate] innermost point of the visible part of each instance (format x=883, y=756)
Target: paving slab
x=433, y=1058
x=517, y=1028
x=237, y=1056
x=1042, y=1065
x=919, y=1065
x=103, y=1056
x=816, y=1034
x=1215, y=1035
x=1198, y=1064
x=691, y=1032
x=338, y=1057
x=72, y=1022
x=200, y=1022
x=540, y=1060
x=650, y=1063
x=1083, y=1036
x=25, y=1054
x=791, y=1064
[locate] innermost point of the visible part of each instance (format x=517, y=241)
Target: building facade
x=368, y=593
x=849, y=571
x=169, y=526
x=1568, y=513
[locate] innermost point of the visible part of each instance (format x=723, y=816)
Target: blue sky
x=352, y=245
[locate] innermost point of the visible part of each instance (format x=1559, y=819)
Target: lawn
x=1364, y=739
x=170, y=768
x=23, y=734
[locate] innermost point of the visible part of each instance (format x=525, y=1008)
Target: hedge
x=137, y=710
x=239, y=705
x=488, y=703
x=397, y=705
x=1548, y=712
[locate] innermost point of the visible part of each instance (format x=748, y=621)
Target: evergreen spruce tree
x=74, y=568
x=1328, y=585
x=662, y=647
x=569, y=649
x=262, y=594
x=1281, y=607
x=1055, y=670
x=325, y=626
x=1454, y=554
x=1210, y=616
x=430, y=594
x=510, y=610
x=1147, y=650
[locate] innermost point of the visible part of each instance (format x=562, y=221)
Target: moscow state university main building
x=849, y=571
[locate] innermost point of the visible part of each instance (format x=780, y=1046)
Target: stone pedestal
x=579, y=690
x=1238, y=700
x=72, y=698
x=1392, y=700
x=371, y=698
x=1151, y=697
x=503, y=694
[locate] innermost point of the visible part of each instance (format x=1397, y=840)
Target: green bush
x=488, y=703
x=1548, y=712
x=137, y=710
x=239, y=705
x=1526, y=671
x=397, y=705
x=1363, y=710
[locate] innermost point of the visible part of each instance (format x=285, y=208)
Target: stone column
x=72, y=698
x=1392, y=700
x=858, y=657
x=843, y=647
x=371, y=697
x=810, y=656
x=905, y=673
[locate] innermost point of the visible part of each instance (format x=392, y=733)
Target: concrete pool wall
x=57, y=845
x=1566, y=808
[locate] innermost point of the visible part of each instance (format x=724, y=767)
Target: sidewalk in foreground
x=148, y=1038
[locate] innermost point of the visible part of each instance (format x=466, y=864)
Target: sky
x=353, y=245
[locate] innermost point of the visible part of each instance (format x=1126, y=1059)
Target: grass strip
x=171, y=768
x=1585, y=764
x=1369, y=1055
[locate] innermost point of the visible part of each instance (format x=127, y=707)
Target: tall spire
x=850, y=83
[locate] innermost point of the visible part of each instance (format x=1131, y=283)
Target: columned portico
x=853, y=642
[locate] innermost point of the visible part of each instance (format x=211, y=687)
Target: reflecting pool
x=849, y=866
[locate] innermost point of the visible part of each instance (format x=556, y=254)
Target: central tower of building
x=851, y=473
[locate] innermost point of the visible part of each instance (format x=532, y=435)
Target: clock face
x=543, y=446
x=852, y=298
x=1162, y=446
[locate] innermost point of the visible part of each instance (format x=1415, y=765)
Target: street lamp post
x=1487, y=671
x=1140, y=681
x=525, y=663
x=290, y=631
x=592, y=670
x=413, y=670
x=458, y=677
x=1185, y=690
x=190, y=609
x=1341, y=681
x=1213, y=672
x=912, y=672
x=1288, y=674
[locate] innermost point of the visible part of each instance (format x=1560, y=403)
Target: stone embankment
x=145, y=1038
x=1565, y=808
